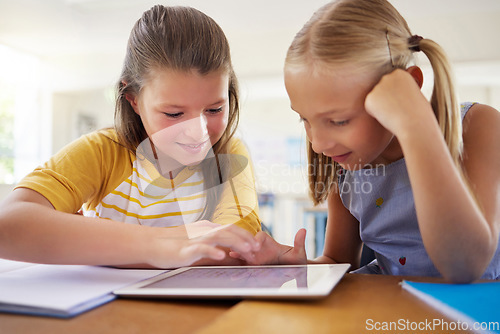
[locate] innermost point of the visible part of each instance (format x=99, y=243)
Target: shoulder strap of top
x=464, y=108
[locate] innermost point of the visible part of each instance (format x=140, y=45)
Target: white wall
x=70, y=111
x=5, y=189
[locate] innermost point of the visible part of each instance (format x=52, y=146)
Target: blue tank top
x=381, y=199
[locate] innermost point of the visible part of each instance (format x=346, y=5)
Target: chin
x=354, y=166
x=351, y=167
x=192, y=160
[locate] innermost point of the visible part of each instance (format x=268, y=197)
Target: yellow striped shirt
x=108, y=181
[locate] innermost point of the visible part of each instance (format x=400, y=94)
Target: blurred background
x=60, y=60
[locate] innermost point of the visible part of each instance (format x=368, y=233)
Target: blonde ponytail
x=443, y=98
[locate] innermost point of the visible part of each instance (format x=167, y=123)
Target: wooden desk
x=123, y=316
x=355, y=300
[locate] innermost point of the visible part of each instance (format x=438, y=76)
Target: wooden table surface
x=358, y=304
x=123, y=316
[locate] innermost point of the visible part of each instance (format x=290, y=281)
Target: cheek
x=378, y=131
x=216, y=126
x=165, y=138
x=376, y=137
x=153, y=124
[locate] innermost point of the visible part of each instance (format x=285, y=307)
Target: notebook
x=61, y=290
x=473, y=307
x=239, y=282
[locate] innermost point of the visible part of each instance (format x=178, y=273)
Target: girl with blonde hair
x=415, y=180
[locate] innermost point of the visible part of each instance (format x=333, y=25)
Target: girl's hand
x=397, y=103
x=183, y=245
x=272, y=252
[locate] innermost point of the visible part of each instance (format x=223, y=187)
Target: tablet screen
x=231, y=278
x=284, y=281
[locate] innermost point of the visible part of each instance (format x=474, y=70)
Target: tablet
x=241, y=282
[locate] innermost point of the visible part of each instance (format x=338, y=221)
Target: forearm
x=321, y=260
x=227, y=261
x=36, y=233
x=456, y=235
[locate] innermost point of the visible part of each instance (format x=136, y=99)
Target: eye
x=173, y=115
x=339, y=123
x=215, y=110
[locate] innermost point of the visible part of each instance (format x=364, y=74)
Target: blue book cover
x=475, y=307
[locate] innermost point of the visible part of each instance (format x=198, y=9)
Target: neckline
x=376, y=170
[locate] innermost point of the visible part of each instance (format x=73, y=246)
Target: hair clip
x=414, y=43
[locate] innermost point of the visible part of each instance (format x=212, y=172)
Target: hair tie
x=414, y=43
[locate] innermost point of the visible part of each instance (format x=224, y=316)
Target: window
x=6, y=132
x=19, y=114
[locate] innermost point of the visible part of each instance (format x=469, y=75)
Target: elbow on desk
x=465, y=263
x=465, y=272
x=461, y=278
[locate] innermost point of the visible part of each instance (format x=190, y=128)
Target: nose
x=196, y=129
x=321, y=140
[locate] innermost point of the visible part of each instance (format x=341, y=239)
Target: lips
x=193, y=148
x=193, y=145
x=341, y=158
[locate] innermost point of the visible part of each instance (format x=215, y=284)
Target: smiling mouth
x=193, y=148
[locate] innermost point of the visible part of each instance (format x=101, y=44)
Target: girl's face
x=184, y=113
x=336, y=122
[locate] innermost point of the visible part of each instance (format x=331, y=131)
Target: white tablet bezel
x=324, y=277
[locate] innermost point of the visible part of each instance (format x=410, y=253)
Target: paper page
x=8, y=265
x=64, y=286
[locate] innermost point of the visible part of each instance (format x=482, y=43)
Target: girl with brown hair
x=168, y=186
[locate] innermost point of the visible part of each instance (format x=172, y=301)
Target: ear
x=131, y=98
x=417, y=74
